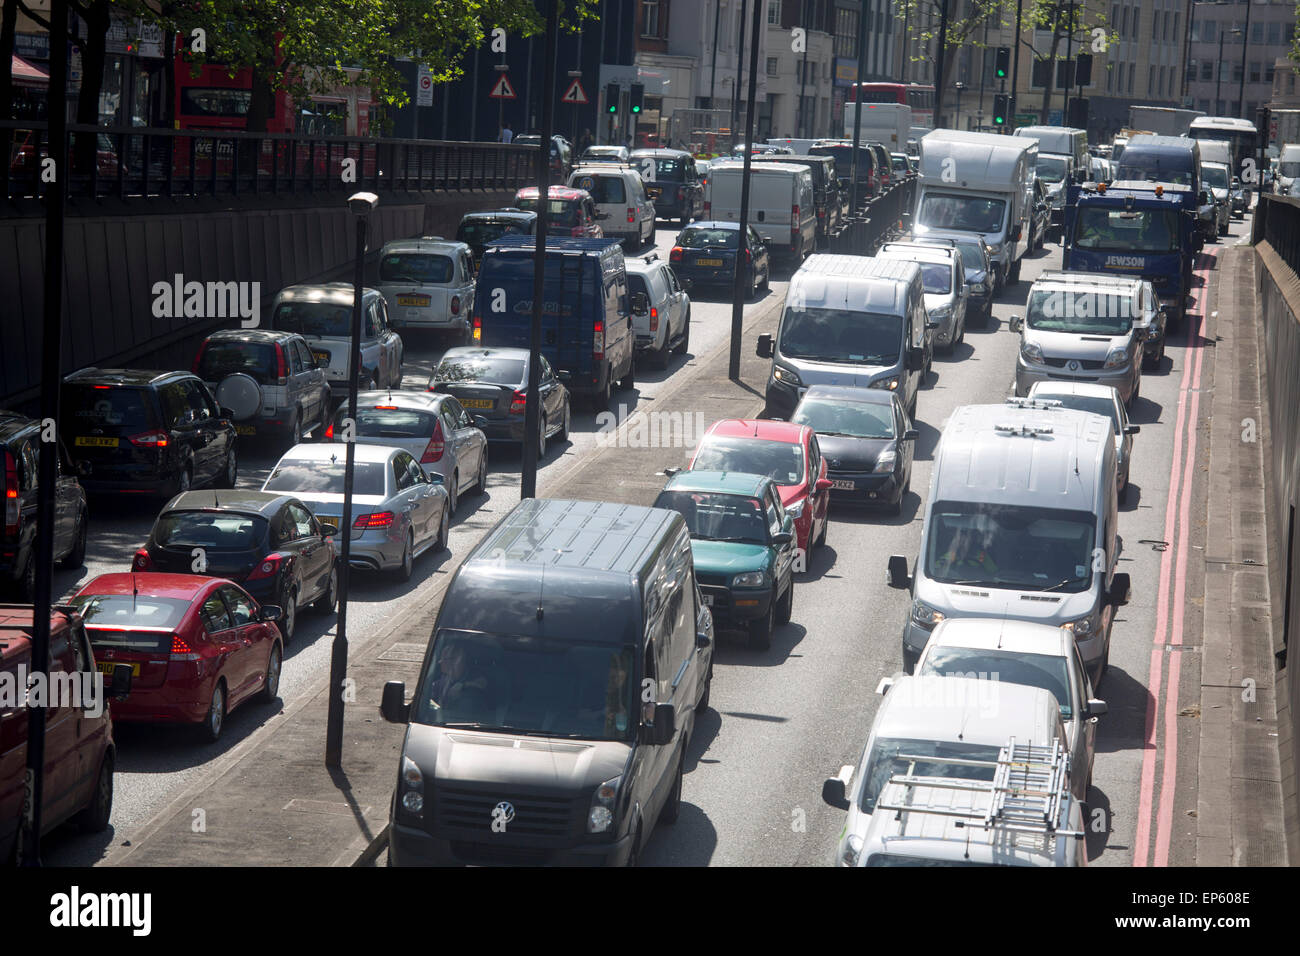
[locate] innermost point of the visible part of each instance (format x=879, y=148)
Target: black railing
x=1277, y=220
x=877, y=221
x=139, y=162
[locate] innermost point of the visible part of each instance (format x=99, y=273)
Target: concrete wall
x=113, y=261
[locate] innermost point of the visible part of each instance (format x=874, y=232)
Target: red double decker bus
x=919, y=98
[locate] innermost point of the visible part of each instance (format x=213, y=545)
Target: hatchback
x=570, y=212
x=268, y=543
x=663, y=321
x=977, y=269
x=428, y=283
x=198, y=646
x=944, y=280
x=705, y=255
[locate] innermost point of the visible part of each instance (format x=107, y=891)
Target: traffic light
x=1002, y=64
x=1083, y=70
x=635, y=93
x=1001, y=106
x=612, y=93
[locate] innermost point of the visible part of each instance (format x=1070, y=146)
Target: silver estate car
x=943, y=276
x=1101, y=400
x=398, y=511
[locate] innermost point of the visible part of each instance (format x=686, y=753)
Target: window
x=174, y=402
x=1151, y=79
x=1114, y=16
x=1268, y=72
x=1255, y=71
x=214, y=614
x=1132, y=76
x=1209, y=31
x=1236, y=72
x=1275, y=33
x=401, y=477
x=1257, y=32
x=304, y=355
x=771, y=66
x=650, y=18
x=1207, y=73
x=1155, y=25
x=1174, y=31
x=241, y=608
x=1123, y=30
x=300, y=518
x=774, y=12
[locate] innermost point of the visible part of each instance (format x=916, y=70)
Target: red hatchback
x=784, y=452
x=198, y=646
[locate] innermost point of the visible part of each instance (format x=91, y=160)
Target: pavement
x=271, y=801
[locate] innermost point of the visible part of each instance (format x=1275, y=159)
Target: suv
x=977, y=267
x=671, y=182
x=561, y=151
x=664, y=319
x=620, y=196
x=322, y=314
x=478, y=229
x=269, y=380
x=141, y=432
x=19, y=451
x=428, y=283
x=884, y=165
x=79, y=749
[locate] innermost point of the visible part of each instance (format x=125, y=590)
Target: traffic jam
x=937, y=489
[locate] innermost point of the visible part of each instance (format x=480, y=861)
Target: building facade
x=1233, y=50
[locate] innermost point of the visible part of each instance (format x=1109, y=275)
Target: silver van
x=1021, y=522
x=848, y=320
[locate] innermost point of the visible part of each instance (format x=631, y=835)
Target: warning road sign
x=503, y=90
x=574, y=94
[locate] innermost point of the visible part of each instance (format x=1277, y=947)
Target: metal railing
x=140, y=162
x=1277, y=220
x=876, y=221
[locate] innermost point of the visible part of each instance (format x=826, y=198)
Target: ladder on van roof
x=1029, y=785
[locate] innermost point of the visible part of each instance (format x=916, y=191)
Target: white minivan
x=620, y=197
x=781, y=205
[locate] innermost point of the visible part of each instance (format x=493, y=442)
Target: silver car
x=943, y=276
x=398, y=511
x=434, y=428
x=428, y=283
x=1101, y=400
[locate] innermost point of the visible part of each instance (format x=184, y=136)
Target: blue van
x=1170, y=159
x=587, y=333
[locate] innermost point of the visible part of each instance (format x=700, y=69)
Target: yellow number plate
x=476, y=403
x=106, y=667
x=322, y=358
x=90, y=442
x=245, y=430
x=708, y=262
x=416, y=300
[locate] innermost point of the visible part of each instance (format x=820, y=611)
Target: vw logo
x=834, y=462
x=505, y=810
x=1072, y=365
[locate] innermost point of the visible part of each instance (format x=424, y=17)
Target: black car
x=19, y=453
x=269, y=543
x=491, y=384
x=867, y=441
x=478, y=229
x=705, y=254
x=868, y=175
x=673, y=184
x=146, y=432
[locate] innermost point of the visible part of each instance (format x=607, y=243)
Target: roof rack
x=650, y=256
x=1027, y=791
x=1033, y=402
x=1027, y=431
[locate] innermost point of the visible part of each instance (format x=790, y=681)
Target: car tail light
x=329, y=432
x=198, y=357
x=631, y=214
x=378, y=519
x=654, y=319
x=151, y=439
x=598, y=340
x=281, y=367
x=675, y=255
x=518, y=403
x=181, y=650
x=455, y=305
x=141, y=561
x=576, y=231
x=749, y=257
x=433, y=450
x=681, y=192
x=478, y=328
x=794, y=218
x=12, y=507
x=269, y=567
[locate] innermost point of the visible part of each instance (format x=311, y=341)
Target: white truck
x=888, y=123
x=1288, y=170
x=1162, y=120
x=979, y=183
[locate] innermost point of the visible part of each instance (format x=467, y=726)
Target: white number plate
x=843, y=484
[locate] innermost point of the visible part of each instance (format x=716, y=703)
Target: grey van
x=558, y=695
x=1021, y=522
x=849, y=320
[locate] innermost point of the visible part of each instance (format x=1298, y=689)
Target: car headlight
x=796, y=510
x=886, y=461
x=1082, y=627
x=1031, y=352
x=601, y=817
x=412, y=786
x=851, y=851
x=1116, y=357
x=925, y=615
x=786, y=376
x=995, y=249
x=889, y=383
x=750, y=579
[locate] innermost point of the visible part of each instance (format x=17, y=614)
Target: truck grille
x=469, y=809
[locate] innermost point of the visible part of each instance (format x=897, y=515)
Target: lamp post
x=713, y=70
x=740, y=58
x=742, y=244
x=361, y=205
x=958, y=86
x=1241, y=91
x=1218, y=85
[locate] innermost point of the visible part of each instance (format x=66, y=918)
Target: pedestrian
x=506, y=133
x=584, y=141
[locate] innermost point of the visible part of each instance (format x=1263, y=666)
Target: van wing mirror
x=915, y=359
x=1097, y=707
x=120, y=687
x=911, y=435
x=1016, y=323
x=835, y=790
x=896, y=574
x=393, y=704
x=1120, y=588
x=764, y=347
x=664, y=726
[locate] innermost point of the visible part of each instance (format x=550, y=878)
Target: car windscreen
x=314, y=318
x=535, y=686
x=490, y=369
x=842, y=336
x=603, y=189
x=829, y=416
x=214, y=530
x=256, y=359
x=714, y=516
x=1084, y=311
x=416, y=267
x=1097, y=404
x=1048, y=671
x=705, y=238
x=965, y=213
x=1214, y=177
x=559, y=212
x=1117, y=230
x=921, y=758
x=481, y=232
x=125, y=610
x=388, y=421
x=109, y=408
x=778, y=460
x=1051, y=169
x=1010, y=546
x=312, y=477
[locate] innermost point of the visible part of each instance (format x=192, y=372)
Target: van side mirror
x=120, y=687
x=1205, y=196
x=764, y=347
x=915, y=359
x=1096, y=708
x=1016, y=323
x=1120, y=589
x=835, y=789
x=897, y=575
x=664, y=725
x=910, y=435
x=393, y=704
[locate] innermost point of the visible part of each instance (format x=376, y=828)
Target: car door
x=463, y=444
x=906, y=449
x=783, y=568
x=821, y=501
x=317, y=387
x=391, y=341
x=552, y=398
x=410, y=502
x=67, y=503
x=296, y=392
x=314, y=552
x=672, y=304
x=250, y=645
x=224, y=639
x=1085, y=747
x=62, y=773
x=216, y=437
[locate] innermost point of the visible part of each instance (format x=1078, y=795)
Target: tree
x=1066, y=21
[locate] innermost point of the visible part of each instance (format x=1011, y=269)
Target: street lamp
x=361, y=205
x=1218, y=86
x=958, y=86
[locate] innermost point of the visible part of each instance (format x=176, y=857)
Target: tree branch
x=32, y=15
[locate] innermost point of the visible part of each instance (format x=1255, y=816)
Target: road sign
x=503, y=90
x=424, y=88
x=575, y=94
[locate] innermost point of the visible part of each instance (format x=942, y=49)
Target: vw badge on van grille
x=504, y=811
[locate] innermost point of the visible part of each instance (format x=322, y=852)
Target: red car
x=198, y=646
x=570, y=212
x=786, y=453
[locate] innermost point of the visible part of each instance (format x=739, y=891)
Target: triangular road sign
x=503, y=90
x=575, y=93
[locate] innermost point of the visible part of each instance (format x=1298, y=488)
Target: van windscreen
x=1051, y=169
x=1084, y=311
x=964, y=213
x=841, y=335
x=897, y=755
x=542, y=687
x=1010, y=546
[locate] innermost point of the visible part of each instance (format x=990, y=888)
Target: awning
x=25, y=74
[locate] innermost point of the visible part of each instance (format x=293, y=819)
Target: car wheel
x=326, y=603
x=564, y=429
x=289, y=614
x=443, y=525
x=1013, y=277
x=708, y=689
x=760, y=630
x=753, y=287
x=628, y=381
x=94, y=816
x=685, y=342
x=785, y=607
x=453, y=495
x=600, y=400
x=271, y=682
x=673, y=805
x=826, y=526
x=77, y=556
x=294, y=431
x=212, y=724
x=767, y=279
x=480, y=486
x=408, y=559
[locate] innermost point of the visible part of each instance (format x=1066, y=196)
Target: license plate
x=86, y=441
x=843, y=484
x=707, y=599
x=476, y=402
x=652, y=192
x=322, y=358
x=415, y=300
x=708, y=262
x=245, y=430
x=106, y=667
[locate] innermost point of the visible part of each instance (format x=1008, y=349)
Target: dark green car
x=742, y=542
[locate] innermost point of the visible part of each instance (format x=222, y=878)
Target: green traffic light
x=999, y=120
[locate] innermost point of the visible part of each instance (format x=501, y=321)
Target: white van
x=1065, y=141
x=782, y=208
x=1021, y=522
x=619, y=194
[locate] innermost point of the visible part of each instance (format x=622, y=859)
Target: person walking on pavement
x=584, y=141
x=506, y=133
